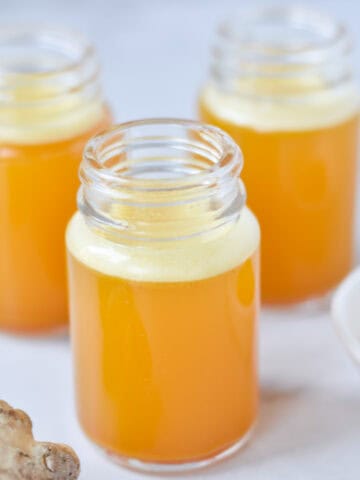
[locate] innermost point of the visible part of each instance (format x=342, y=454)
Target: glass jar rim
x=283, y=52
x=181, y=174
x=43, y=69
x=330, y=32
x=226, y=148
x=74, y=47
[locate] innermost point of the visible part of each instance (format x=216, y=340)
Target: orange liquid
x=38, y=185
x=301, y=186
x=165, y=372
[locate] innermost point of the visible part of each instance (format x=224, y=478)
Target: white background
x=154, y=55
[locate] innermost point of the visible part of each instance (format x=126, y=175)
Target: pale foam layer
x=188, y=260
x=56, y=119
x=261, y=108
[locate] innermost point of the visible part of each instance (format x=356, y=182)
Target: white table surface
x=154, y=56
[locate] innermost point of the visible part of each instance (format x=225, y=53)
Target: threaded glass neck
x=49, y=84
x=276, y=46
x=160, y=180
x=42, y=63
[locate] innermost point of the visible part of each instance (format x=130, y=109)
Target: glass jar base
x=182, y=467
x=313, y=306
x=61, y=331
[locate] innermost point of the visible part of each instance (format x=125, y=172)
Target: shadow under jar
x=50, y=105
x=282, y=85
x=163, y=282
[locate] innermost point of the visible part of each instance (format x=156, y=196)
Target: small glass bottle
x=282, y=85
x=164, y=296
x=50, y=105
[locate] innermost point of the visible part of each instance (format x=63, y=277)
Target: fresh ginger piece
x=23, y=458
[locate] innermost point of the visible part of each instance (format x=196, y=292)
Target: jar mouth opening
x=281, y=52
x=44, y=66
x=283, y=30
x=160, y=154
x=160, y=179
x=41, y=52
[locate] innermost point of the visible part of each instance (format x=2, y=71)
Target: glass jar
x=50, y=105
x=163, y=282
x=282, y=85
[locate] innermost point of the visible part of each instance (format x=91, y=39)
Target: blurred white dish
x=345, y=311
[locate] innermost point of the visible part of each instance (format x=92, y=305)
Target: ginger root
x=22, y=458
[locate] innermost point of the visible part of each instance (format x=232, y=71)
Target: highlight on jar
x=50, y=105
x=164, y=296
x=282, y=85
